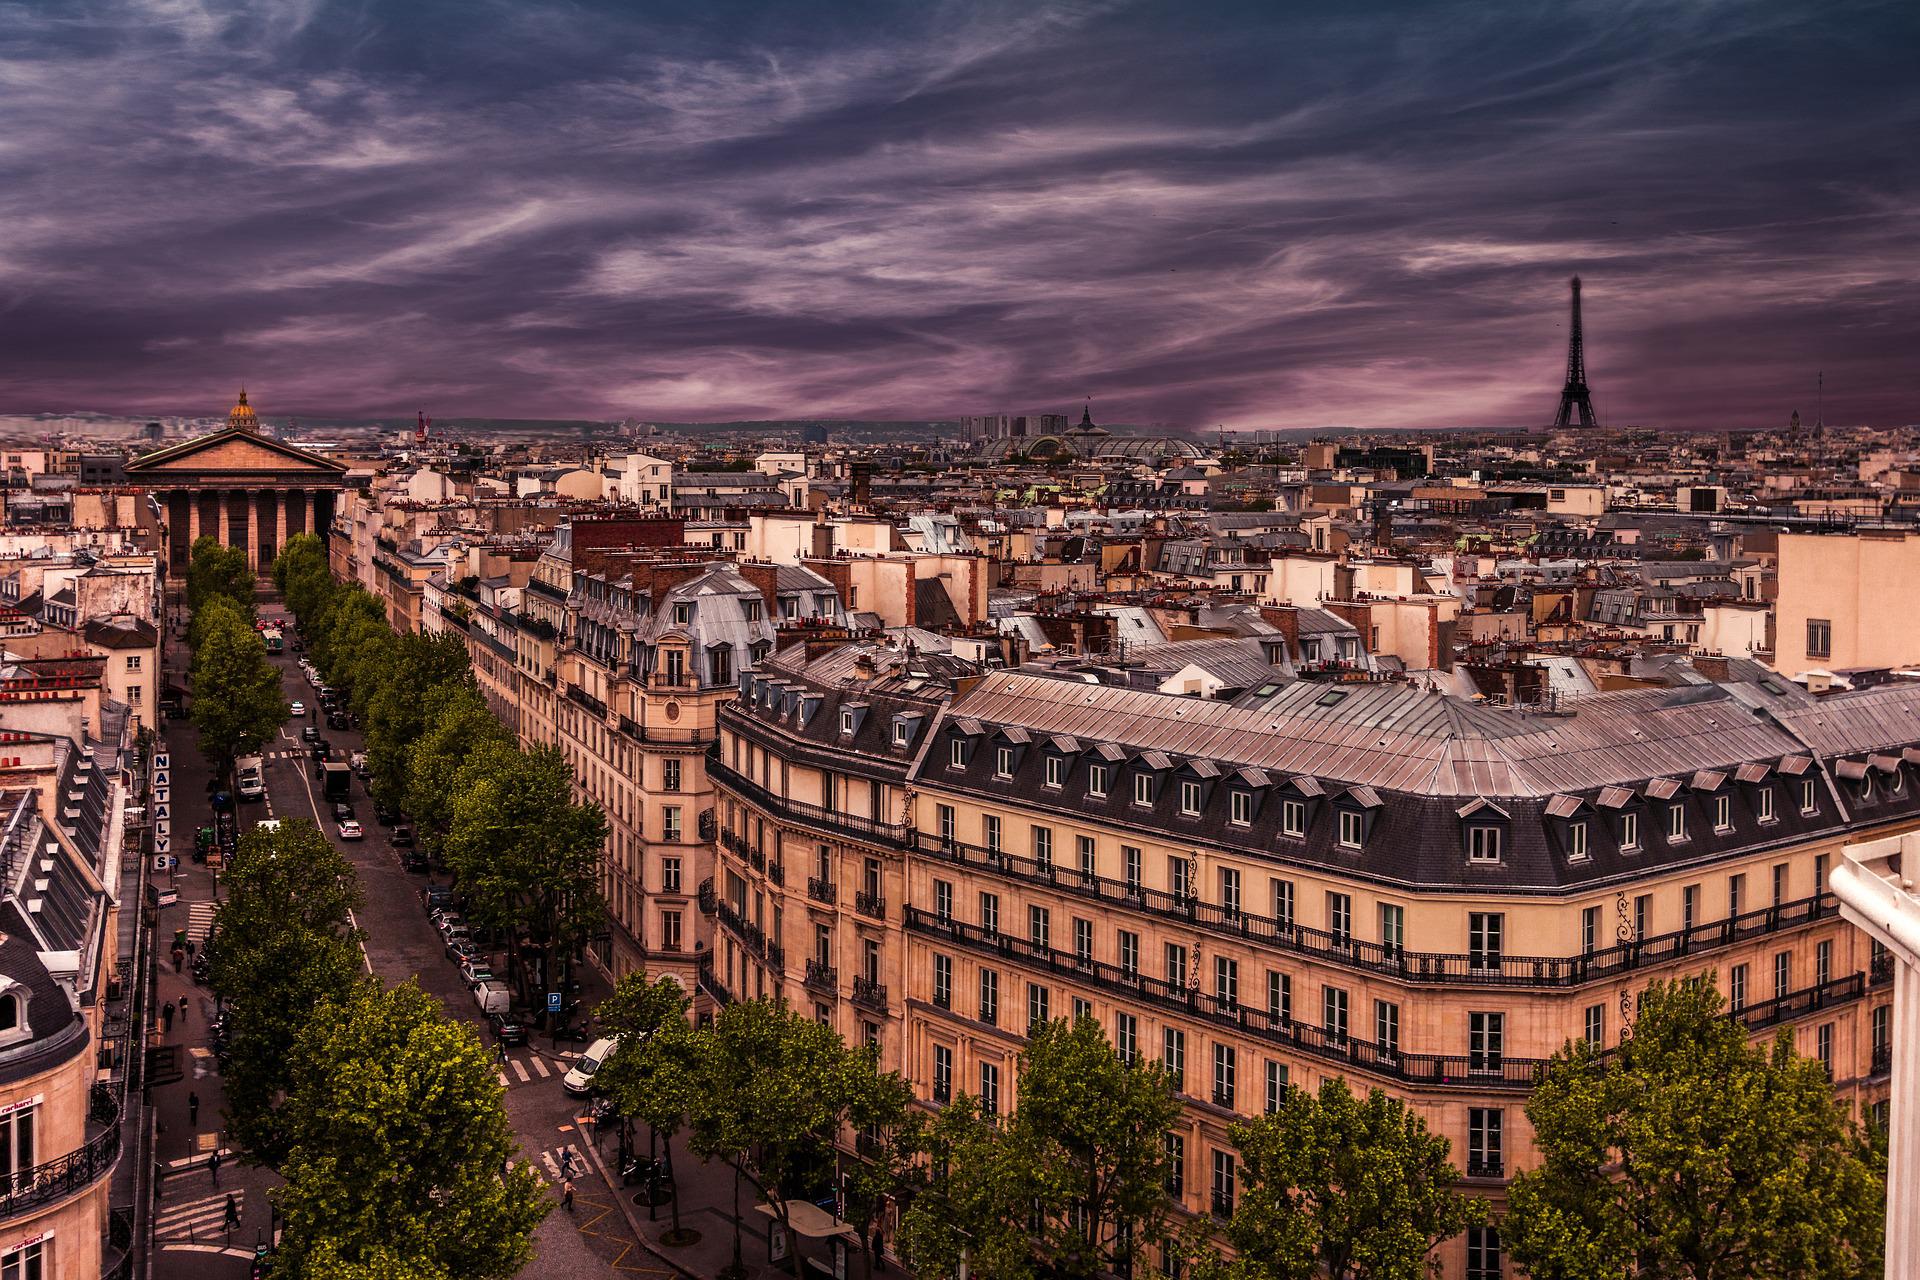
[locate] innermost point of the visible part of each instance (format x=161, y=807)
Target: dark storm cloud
x=1263, y=215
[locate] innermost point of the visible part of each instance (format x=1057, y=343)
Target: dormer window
x=682, y=613
x=1353, y=830
x=1240, y=808
x=1293, y=818
x=1097, y=781
x=1676, y=823
x=900, y=734
x=1629, y=831
x=1577, y=841
x=1866, y=788
x=1190, y=799
x=1056, y=771
x=9, y=1013
x=1763, y=804
x=1143, y=789
x=1723, y=813
x=1483, y=844
x=1896, y=783
x=1809, y=800
x=846, y=723
x=753, y=610
x=1003, y=762
x=957, y=753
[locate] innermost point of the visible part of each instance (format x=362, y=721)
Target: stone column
x=193, y=519
x=223, y=517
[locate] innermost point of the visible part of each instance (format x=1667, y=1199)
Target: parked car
x=342, y=811
x=352, y=830
x=461, y=932
x=475, y=970
x=507, y=1029
x=339, y=720
x=415, y=861
x=580, y=1079
x=435, y=896
x=463, y=950
x=402, y=837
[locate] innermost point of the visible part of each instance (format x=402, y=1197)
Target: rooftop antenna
x=1820, y=403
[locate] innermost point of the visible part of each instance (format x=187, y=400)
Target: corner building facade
x=1366, y=880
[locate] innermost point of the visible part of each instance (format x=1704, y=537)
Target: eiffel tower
x=1575, y=396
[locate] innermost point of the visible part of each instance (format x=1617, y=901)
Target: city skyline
x=1195, y=216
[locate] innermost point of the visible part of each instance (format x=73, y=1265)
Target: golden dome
x=243, y=417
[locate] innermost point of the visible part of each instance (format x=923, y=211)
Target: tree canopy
x=1688, y=1153
x=237, y=706
x=214, y=570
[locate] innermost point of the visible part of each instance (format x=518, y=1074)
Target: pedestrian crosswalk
x=199, y=921
x=563, y=1162
x=199, y=1217
x=524, y=1070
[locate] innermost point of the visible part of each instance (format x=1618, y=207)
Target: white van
x=493, y=997
x=250, y=777
x=580, y=1079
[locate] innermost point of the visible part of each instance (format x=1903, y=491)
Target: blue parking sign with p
x=553, y=1002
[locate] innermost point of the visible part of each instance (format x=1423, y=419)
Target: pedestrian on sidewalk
x=193, y=1108
x=213, y=1165
x=190, y=945
x=233, y=1213
x=183, y=1013
x=566, y=1194
x=179, y=956
x=166, y=1019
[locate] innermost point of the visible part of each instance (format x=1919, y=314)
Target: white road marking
x=520, y=1069
x=540, y=1067
x=502, y=1076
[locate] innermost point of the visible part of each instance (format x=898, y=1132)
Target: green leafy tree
x=284, y=946
x=237, y=705
x=304, y=578
x=1689, y=1154
x=527, y=856
x=771, y=1101
x=459, y=728
x=654, y=1073
x=214, y=570
x=982, y=1185
x=1102, y=1123
x=400, y=1147
x=1345, y=1187
x=890, y=1147
x=398, y=713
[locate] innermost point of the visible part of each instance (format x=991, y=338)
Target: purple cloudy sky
x=1272, y=215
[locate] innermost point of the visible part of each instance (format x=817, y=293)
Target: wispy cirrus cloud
x=1247, y=214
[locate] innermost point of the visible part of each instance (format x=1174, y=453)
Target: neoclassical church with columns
x=250, y=491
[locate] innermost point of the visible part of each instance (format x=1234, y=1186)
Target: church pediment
x=234, y=453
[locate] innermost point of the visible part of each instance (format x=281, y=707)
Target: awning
x=813, y=1222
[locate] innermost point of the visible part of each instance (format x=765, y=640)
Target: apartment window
x=1225, y=1073
x=1763, y=804
x=1190, y=799
x=1039, y=1005
x=945, y=821
x=1723, y=813
x=990, y=1088
x=1577, y=841
x=1283, y=903
x=1629, y=831
x=1351, y=829
x=1003, y=762
x=1176, y=958
x=1737, y=987
x=1596, y=1025
x=28, y=1262
x=1173, y=1056
x=1097, y=780
x=1483, y=844
x=990, y=913
x=1333, y=1013
x=1126, y=1037
x=1056, y=771
x=989, y=996
x=942, y=981
x=1782, y=973
x=1279, y=996
x=676, y=663
x=1226, y=981
x=1129, y=952
x=1882, y=1038
x=670, y=775
x=1089, y=867
x=990, y=832
x=1082, y=1008
x=1642, y=916
x=1386, y=1026
x=1039, y=927
x=1689, y=906
x=1393, y=928
x=1486, y=1034
x=1340, y=918
x=670, y=875
x=900, y=733
x=846, y=723
x=1176, y=1146
x=1043, y=847
x=1178, y=877
x=133, y=662
x=1589, y=930
x=1486, y=938
x=1483, y=1254
x=1809, y=801
x=1240, y=808
x=1676, y=823
x=1223, y=1179
x=1083, y=940
x=670, y=823
x=1143, y=788
x=1276, y=1084
x=1819, y=638
x=942, y=899
x=1779, y=883
x=957, y=753
x=1485, y=1142
x=1822, y=964
x=1819, y=873
x=1230, y=891
x=1736, y=895
x=942, y=1074
x=670, y=931
x=1293, y=817
x=1130, y=864
x=1823, y=1046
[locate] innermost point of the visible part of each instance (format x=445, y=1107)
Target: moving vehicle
x=339, y=779
x=352, y=830
x=309, y=734
x=507, y=1029
x=297, y=708
x=342, y=811
x=250, y=777
x=580, y=1079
